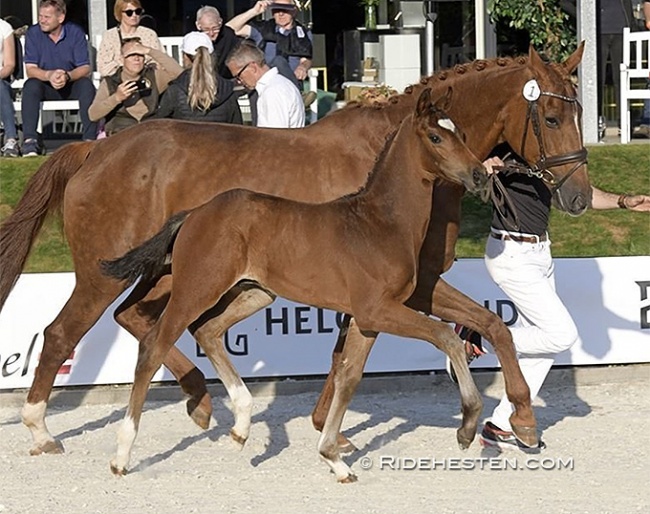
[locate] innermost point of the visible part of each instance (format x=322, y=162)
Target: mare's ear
x=444, y=102
x=535, y=59
x=574, y=59
x=424, y=103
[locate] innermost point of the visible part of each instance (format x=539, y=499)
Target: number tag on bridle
x=531, y=90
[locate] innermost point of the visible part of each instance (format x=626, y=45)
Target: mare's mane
x=449, y=76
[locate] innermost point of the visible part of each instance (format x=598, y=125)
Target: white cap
x=195, y=40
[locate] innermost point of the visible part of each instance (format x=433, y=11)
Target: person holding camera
x=132, y=93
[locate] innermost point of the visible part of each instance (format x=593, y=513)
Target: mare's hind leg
x=348, y=371
x=319, y=414
x=82, y=310
x=239, y=303
x=137, y=314
x=395, y=318
x=450, y=304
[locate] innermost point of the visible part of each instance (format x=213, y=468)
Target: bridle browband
x=541, y=169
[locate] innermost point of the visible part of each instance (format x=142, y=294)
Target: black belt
x=519, y=239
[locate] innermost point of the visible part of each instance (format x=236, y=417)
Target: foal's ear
x=444, y=102
x=423, y=107
x=574, y=59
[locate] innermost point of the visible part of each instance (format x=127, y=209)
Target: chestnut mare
x=357, y=254
x=118, y=192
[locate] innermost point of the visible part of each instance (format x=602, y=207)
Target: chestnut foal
x=357, y=254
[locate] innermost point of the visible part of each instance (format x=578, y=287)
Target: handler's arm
x=603, y=200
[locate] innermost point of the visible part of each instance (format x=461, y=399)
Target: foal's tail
x=149, y=259
x=43, y=195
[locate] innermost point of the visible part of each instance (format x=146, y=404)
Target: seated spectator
x=199, y=94
x=128, y=14
x=132, y=93
x=286, y=43
x=58, y=68
x=7, y=112
x=224, y=39
x=279, y=103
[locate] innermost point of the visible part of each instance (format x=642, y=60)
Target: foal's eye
x=435, y=139
x=552, y=122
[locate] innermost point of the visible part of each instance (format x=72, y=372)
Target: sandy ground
x=597, y=460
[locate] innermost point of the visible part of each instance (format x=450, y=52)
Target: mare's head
x=445, y=154
x=542, y=124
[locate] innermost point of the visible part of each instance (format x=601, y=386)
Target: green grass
x=617, y=168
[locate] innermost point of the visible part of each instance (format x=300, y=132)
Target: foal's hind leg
x=239, y=303
x=397, y=319
x=137, y=314
x=348, y=371
x=82, y=310
x=319, y=414
x=450, y=304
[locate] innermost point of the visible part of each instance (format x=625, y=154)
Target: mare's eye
x=552, y=122
x=435, y=139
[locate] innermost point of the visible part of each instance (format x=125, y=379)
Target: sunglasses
x=131, y=12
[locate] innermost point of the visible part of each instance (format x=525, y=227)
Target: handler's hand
x=638, y=203
x=491, y=163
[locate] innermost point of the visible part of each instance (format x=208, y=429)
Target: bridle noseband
x=541, y=169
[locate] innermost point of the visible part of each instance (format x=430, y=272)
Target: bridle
x=542, y=168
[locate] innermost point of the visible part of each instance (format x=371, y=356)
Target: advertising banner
x=608, y=297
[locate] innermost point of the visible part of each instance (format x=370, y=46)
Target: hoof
x=345, y=445
x=464, y=441
x=200, y=411
x=526, y=435
x=51, y=447
x=237, y=439
x=350, y=479
x=117, y=470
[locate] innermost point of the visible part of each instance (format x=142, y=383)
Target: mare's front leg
x=319, y=414
x=137, y=314
x=239, y=303
x=450, y=304
x=347, y=373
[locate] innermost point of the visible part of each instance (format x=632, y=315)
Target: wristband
x=621, y=201
x=68, y=77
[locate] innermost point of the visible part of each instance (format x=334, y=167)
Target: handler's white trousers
x=524, y=271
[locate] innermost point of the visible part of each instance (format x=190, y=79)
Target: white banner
x=608, y=297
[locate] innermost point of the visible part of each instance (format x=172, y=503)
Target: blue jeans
x=7, y=112
x=35, y=91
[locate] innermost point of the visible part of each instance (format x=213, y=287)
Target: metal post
x=588, y=70
x=429, y=43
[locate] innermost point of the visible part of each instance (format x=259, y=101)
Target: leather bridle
x=541, y=169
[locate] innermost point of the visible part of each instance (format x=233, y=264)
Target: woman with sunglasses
x=128, y=14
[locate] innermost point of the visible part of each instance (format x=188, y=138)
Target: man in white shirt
x=279, y=103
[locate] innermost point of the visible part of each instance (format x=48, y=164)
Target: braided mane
x=450, y=74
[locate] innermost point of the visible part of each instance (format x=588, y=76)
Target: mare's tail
x=43, y=195
x=149, y=259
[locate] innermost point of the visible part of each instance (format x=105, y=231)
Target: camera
x=142, y=85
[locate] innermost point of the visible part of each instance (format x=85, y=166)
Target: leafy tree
x=545, y=21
